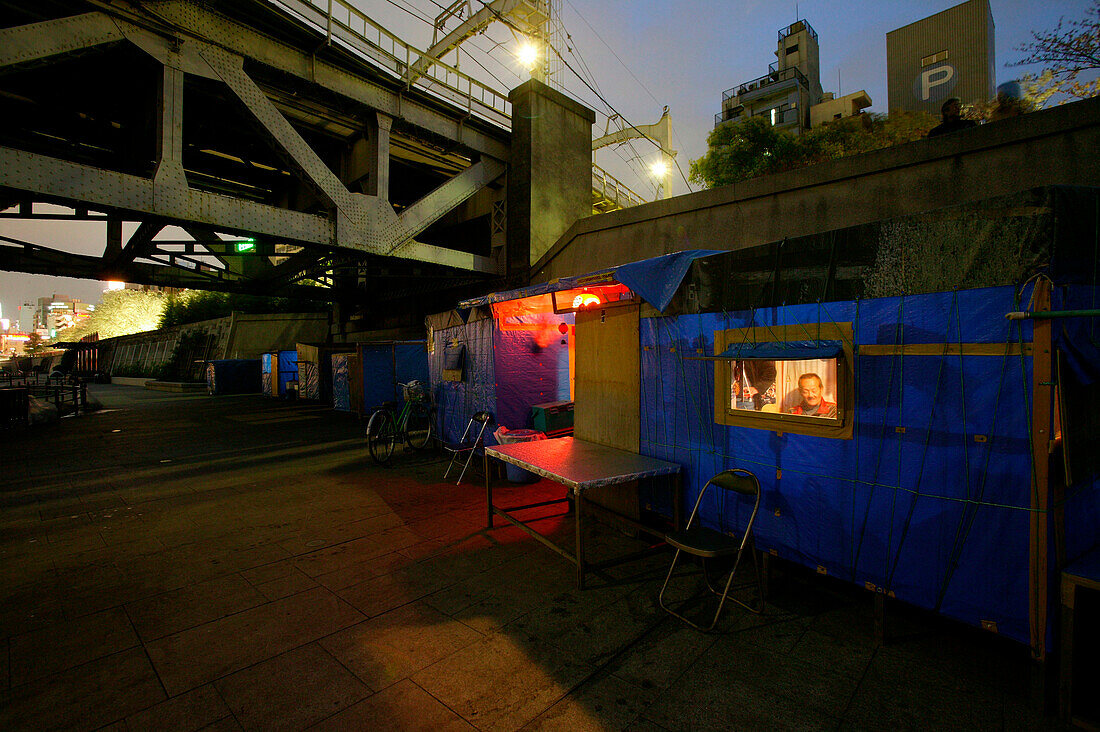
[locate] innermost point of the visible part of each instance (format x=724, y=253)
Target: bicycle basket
x=414, y=391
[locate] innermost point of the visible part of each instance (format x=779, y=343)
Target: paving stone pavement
x=184, y=562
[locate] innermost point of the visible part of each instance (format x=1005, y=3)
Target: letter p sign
x=930, y=79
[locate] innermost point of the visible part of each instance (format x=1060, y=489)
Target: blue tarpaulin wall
x=233, y=376
x=507, y=368
x=456, y=401
x=288, y=369
x=387, y=363
x=913, y=504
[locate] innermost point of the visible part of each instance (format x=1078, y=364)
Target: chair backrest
x=737, y=480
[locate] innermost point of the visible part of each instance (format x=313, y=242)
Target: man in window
x=813, y=403
x=757, y=378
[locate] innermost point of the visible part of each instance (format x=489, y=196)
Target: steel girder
x=356, y=221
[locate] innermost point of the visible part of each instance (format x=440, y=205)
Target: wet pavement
x=185, y=562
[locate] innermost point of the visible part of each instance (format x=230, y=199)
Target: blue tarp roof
x=654, y=280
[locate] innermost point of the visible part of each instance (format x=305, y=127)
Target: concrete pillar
x=550, y=171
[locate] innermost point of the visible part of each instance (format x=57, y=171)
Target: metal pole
x=1050, y=314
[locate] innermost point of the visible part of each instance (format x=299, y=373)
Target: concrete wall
x=252, y=335
x=1053, y=147
x=236, y=336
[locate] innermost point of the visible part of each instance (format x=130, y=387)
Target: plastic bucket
x=514, y=473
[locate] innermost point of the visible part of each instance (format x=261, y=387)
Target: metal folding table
x=579, y=466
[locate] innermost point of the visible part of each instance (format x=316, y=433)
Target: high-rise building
x=792, y=86
x=785, y=94
x=949, y=54
x=58, y=313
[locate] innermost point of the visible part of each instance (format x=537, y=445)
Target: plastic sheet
x=913, y=504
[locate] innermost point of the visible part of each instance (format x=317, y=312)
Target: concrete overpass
x=1058, y=146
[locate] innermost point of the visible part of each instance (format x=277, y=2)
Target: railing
x=611, y=189
x=797, y=26
x=338, y=19
x=772, y=77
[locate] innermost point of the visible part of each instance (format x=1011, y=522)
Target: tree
x=119, y=312
x=745, y=150
x=752, y=148
x=1071, y=49
x=35, y=344
x=193, y=306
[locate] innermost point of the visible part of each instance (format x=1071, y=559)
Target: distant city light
x=115, y=286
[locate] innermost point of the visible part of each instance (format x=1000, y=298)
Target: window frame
x=840, y=428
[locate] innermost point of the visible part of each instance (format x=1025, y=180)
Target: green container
x=552, y=416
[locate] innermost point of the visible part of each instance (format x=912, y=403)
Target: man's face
x=810, y=389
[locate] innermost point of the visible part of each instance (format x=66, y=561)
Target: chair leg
x=670, y=611
x=454, y=454
x=469, y=460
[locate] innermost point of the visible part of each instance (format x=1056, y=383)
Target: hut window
x=807, y=387
x=791, y=378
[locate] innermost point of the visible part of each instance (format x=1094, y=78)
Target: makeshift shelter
x=950, y=459
x=233, y=376
x=385, y=364
x=341, y=381
x=277, y=370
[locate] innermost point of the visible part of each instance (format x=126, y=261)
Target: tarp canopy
x=654, y=280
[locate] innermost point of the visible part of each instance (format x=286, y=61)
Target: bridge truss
x=267, y=121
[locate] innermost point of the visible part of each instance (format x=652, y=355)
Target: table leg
x=578, y=500
x=488, y=493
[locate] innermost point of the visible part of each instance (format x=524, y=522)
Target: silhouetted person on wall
x=952, y=119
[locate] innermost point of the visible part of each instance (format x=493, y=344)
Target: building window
x=935, y=58
x=792, y=49
x=774, y=115
x=794, y=378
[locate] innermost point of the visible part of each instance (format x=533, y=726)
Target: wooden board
x=607, y=377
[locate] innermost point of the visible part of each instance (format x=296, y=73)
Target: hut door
x=607, y=377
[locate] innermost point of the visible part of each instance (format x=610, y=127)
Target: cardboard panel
x=607, y=377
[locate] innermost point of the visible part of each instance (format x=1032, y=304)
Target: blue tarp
x=288, y=369
x=654, y=280
x=929, y=500
x=457, y=401
x=388, y=363
x=784, y=351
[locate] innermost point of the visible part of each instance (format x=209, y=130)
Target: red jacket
x=825, y=409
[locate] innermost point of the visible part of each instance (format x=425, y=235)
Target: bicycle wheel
x=381, y=436
x=418, y=426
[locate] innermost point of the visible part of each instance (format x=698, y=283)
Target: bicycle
x=414, y=424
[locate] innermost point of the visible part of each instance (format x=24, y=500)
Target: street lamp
x=528, y=54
